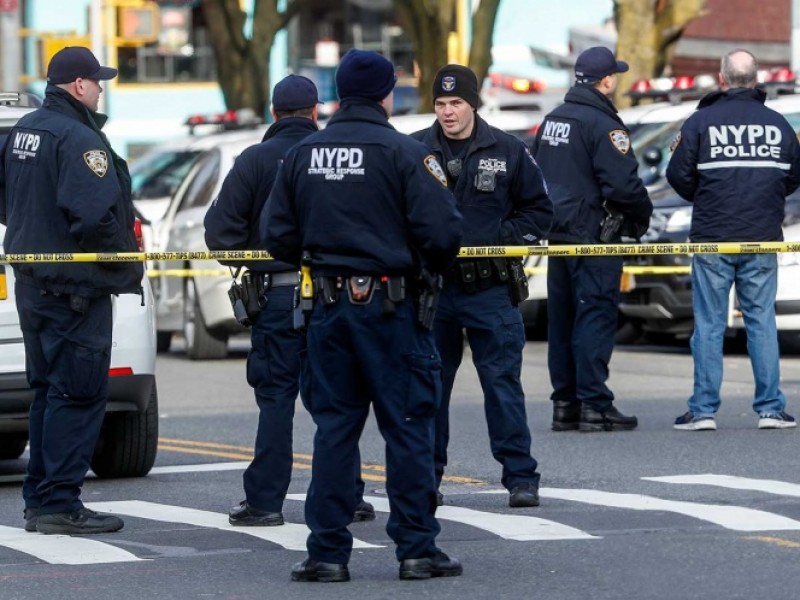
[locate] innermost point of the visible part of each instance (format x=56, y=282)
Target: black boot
x=609, y=419
x=314, y=570
x=566, y=415
x=438, y=565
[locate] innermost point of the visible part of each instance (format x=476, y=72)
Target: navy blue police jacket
x=64, y=190
x=232, y=221
x=362, y=198
x=517, y=211
x=584, y=150
x=736, y=160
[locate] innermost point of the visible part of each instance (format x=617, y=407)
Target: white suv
x=129, y=437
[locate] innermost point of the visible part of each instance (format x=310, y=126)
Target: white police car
x=129, y=436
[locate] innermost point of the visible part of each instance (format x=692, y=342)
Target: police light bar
x=521, y=85
x=227, y=121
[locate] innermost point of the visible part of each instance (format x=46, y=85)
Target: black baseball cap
x=294, y=92
x=74, y=62
x=595, y=63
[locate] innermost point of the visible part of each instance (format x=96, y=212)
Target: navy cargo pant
x=67, y=357
x=273, y=371
x=582, y=302
x=496, y=337
x=357, y=356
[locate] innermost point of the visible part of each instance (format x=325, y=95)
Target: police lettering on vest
x=337, y=164
x=25, y=145
x=744, y=141
x=556, y=133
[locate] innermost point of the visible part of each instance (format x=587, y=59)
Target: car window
x=159, y=174
x=204, y=180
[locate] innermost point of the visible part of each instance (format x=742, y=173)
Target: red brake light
x=120, y=371
x=137, y=231
x=641, y=86
x=684, y=82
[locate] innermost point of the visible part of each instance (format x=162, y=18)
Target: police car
x=129, y=436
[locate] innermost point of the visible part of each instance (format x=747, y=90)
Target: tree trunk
x=430, y=24
x=647, y=31
x=480, y=52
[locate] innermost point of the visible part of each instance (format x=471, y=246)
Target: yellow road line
x=774, y=540
x=218, y=450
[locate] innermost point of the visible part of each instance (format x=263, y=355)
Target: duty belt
x=360, y=288
x=282, y=279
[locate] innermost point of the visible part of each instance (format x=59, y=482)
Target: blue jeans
x=756, y=279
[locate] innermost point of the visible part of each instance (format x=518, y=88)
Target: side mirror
x=652, y=156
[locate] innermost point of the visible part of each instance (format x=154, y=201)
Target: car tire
x=534, y=317
x=163, y=341
x=628, y=331
x=12, y=445
x=789, y=342
x=128, y=442
x=201, y=344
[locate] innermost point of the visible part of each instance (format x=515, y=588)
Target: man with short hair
x=367, y=210
x=64, y=190
x=736, y=161
x=501, y=193
x=585, y=152
x=273, y=363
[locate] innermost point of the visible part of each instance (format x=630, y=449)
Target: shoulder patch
x=620, y=140
x=97, y=161
x=675, y=142
x=435, y=169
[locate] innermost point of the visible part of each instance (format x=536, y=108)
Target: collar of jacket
x=588, y=95
x=62, y=101
x=756, y=94
x=482, y=139
x=360, y=109
x=290, y=124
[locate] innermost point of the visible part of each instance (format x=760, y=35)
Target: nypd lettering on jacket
x=25, y=146
x=337, y=164
x=556, y=133
x=744, y=142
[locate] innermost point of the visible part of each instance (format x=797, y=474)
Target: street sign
x=8, y=5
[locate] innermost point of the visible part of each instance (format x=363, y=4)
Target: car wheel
x=628, y=331
x=201, y=344
x=163, y=341
x=128, y=442
x=534, y=317
x=12, y=445
x=789, y=342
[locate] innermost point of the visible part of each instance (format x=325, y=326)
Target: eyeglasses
x=454, y=168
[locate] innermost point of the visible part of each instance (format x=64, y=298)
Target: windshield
x=159, y=174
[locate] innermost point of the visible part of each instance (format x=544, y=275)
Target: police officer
x=501, y=193
x=736, y=160
x=63, y=189
x=273, y=364
x=585, y=153
x=370, y=209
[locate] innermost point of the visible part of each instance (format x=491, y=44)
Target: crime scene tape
x=467, y=252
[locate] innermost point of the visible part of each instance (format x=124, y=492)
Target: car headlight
x=680, y=220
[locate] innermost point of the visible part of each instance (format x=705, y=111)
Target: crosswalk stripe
x=63, y=549
x=520, y=528
x=768, y=486
x=290, y=536
x=737, y=518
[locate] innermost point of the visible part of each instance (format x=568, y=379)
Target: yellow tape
x=468, y=252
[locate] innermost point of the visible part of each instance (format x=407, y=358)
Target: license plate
x=3, y=285
x=627, y=282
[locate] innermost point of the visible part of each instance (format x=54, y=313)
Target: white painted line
x=768, y=486
x=221, y=466
x=731, y=517
x=291, y=536
x=63, y=549
x=520, y=528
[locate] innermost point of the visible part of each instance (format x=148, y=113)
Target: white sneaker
x=779, y=420
x=688, y=422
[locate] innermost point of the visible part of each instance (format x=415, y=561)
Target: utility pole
x=10, y=49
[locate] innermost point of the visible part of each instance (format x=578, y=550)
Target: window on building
x=182, y=52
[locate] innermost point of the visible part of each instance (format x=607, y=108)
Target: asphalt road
x=648, y=514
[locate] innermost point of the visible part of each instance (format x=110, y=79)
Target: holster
x=517, y=280
x=611, y=226
x=248, y=297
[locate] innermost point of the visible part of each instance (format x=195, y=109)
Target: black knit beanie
x=364, y=74
x=457, y=80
